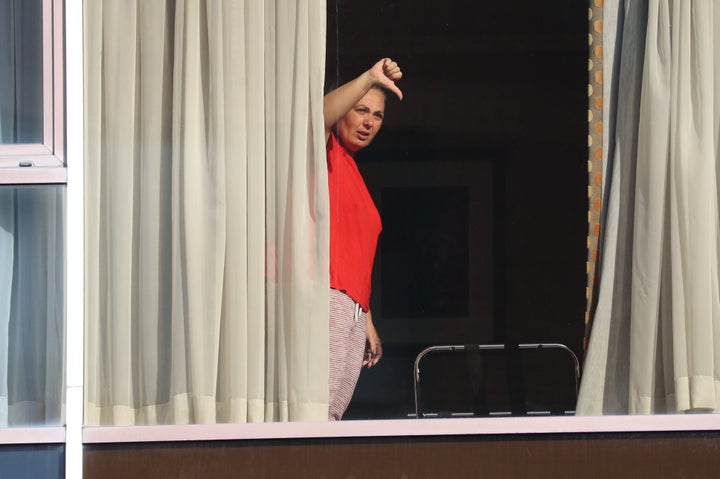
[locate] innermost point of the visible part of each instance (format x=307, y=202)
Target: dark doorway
x=480, y=174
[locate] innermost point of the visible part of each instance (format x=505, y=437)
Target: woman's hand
x=373, y=349
x=385, y=73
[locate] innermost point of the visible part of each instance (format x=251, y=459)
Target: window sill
x=404, y=427
x=32, y=174
x=32, y=435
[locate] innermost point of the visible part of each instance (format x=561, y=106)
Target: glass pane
x=32, y=304
x=21, y=57
x=482, y=197
x=41, y=460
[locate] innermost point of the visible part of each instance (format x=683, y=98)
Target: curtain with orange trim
x=655, y=342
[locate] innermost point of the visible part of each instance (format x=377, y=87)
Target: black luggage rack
x=511, y=355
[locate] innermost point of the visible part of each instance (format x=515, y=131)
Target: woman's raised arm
x=339, y=101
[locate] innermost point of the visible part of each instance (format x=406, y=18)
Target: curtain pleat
x=186, y=319
x=604, y=386
x=298, y=290
x=655, y=340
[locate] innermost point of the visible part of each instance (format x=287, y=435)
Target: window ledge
x=32, y=435
x=405, y=427
x=32, y=174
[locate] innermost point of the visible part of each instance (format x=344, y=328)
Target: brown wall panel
x=549, y=456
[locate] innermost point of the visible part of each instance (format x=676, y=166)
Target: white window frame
x=75, y=239
x=43, y=162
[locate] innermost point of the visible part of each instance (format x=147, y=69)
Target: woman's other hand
x=373, y=350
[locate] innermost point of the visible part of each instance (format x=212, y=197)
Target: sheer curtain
x=206, y=211
x=655, y=343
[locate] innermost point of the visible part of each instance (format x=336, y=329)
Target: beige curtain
x=655, y=344
x=206, y=211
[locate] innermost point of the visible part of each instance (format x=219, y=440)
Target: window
x=31, y=92
x=32, y=304
x=162, y=152
x=32, y=237
x=21, y=109
x=32, y=214
x=523, y=240
x=480, y=179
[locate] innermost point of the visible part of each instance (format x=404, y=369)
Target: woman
x=353, y=114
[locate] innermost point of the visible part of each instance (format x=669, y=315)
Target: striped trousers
x=347, y=349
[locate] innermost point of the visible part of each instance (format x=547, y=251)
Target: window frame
x=78, y=435
x=393, y=427
x=47, y=166
x=28, y=163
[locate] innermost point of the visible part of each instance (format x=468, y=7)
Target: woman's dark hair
x=381, y=90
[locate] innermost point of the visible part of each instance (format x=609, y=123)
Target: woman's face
x=360, y=125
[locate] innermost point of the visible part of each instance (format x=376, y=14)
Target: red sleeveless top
x=354, y=226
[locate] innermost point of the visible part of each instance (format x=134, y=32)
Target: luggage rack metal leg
x=486, y=347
